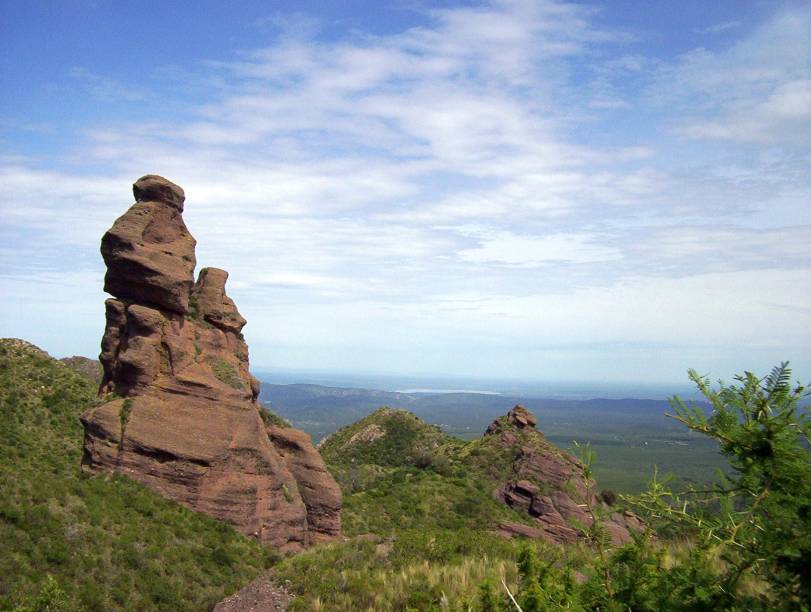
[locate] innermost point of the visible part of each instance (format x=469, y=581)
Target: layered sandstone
x=549, y=485
x=182, y=415
x=319, y=492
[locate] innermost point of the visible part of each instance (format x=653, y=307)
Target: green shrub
x=227, y=373
x=194, y=306
x=487, y=598
x=756, y=522
x=288, y=496
x=91, y=543
x=273, y=419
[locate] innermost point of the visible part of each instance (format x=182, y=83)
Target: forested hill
x=631, y=436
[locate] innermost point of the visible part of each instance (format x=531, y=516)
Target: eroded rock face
x=148, y=251
x=319, y=491
x=548, y=484
x=182, y=415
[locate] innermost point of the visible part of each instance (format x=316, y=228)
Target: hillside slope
x=386, y=437
x=396, y=461
x=433, y=519
x=94, y=543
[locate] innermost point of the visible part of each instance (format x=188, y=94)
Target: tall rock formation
x=181, y=414
x=548, y=484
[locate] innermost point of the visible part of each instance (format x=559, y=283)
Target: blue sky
x=525, y=189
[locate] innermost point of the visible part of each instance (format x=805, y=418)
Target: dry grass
x=419, y=585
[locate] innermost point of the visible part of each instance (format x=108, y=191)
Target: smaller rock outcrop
x=548, y=485
x=518, y=417
x=209, y=301
x=89, y=368
x=319, y=491
x=510, y=529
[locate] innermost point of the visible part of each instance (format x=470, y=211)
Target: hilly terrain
x=73, y=542
x=512, y=464
x=431, y=517
x=421, y=525
x=631, y=437
x=439, y=523
x=430, y=521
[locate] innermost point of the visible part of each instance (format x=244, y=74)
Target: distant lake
x=432, y=391
x=487, y=386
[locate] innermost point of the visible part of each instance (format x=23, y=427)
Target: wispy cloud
x=506, y=172
x=104, y=88
x=757, y=90
x=718, y=27
x=502, y=247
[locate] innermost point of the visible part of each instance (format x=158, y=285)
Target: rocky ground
x=261, y=595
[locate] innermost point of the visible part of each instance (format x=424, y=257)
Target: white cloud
x=757, y=90
x=718, y=27
x=784, y=114
x=660, y=326
x=501, y=176
x=526, y=251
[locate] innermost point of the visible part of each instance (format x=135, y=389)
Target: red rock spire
x=181, y=414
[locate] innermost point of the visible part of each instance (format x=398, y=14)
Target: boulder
x=525, y=487
x=510, y=529
x=519, y=417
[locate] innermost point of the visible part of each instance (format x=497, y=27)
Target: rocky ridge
x=180, y=412
x=89, y=368
x=548, y=484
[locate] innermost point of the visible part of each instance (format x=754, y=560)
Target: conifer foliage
x=742, y=544
x=757, y=521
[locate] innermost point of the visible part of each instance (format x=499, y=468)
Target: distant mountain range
x=320, y=410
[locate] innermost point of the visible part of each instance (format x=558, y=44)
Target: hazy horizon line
x=447, y=376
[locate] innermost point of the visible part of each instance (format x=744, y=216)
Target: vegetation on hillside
x=271, y=419
x=89, y=368
x=387, y=437
x=71, y=542
x=631, y=436
x=742, y=544
x=419, y=507
x=421, y=523
x=419, y=515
